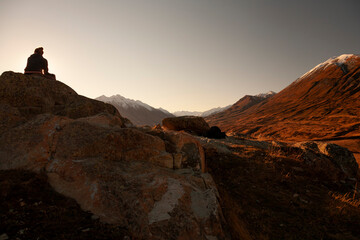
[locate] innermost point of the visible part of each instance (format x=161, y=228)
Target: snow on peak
x=201, y=114
x=124, y=102
x=343, y=58
x=186, y=113
x=339, y=61
x=265, y=95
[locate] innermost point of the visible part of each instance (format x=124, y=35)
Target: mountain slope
x=227, y=116
x=322, y=104
x=137, y=112
x=248, y=101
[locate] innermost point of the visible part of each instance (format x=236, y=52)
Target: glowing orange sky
x=177, y=54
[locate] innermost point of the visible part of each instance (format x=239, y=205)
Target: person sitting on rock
x=37, y=64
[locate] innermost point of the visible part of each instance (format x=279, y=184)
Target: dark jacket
x=36, y=63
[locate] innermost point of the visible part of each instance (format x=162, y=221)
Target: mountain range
x=259, y=97
x=200, y=114
x=137, y=112
x=323, y=104
x=140, y=113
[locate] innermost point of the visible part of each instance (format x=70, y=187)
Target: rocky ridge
x=125, y=176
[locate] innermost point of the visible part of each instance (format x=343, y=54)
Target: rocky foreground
x=73, y=167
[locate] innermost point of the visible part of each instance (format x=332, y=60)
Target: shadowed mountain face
x=322, y=104
x=137, y=112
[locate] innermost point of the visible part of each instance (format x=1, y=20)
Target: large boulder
x=190, y=124
x=119, y=174
x=187, y=151
x=332, y=160
x=269, y=189
x=150, y=184
x=341, y=157
x=29, y=95
x=215, y=132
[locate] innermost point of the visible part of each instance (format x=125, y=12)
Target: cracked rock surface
x=152, y=184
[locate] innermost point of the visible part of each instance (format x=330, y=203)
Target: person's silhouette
x=37, y=64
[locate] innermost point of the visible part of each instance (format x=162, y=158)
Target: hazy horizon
x=180, y=55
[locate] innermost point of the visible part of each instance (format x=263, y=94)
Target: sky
x=189, y=55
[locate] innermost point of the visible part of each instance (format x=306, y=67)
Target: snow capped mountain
x=266, y=95
x=343, y=61
x=214, y=111
x=137, y=112
x=187, y=113
x=201, y=114
x=125, y=102
x=322, y=104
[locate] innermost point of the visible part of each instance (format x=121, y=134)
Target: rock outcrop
x=148, y=183
x=190, y=124
x=33, y=95
x=215, y=132
x=275, y=190
x=330, y=159
x=193, y=125
x=186, y=150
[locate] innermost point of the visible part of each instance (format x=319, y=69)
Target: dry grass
x=347, y=198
